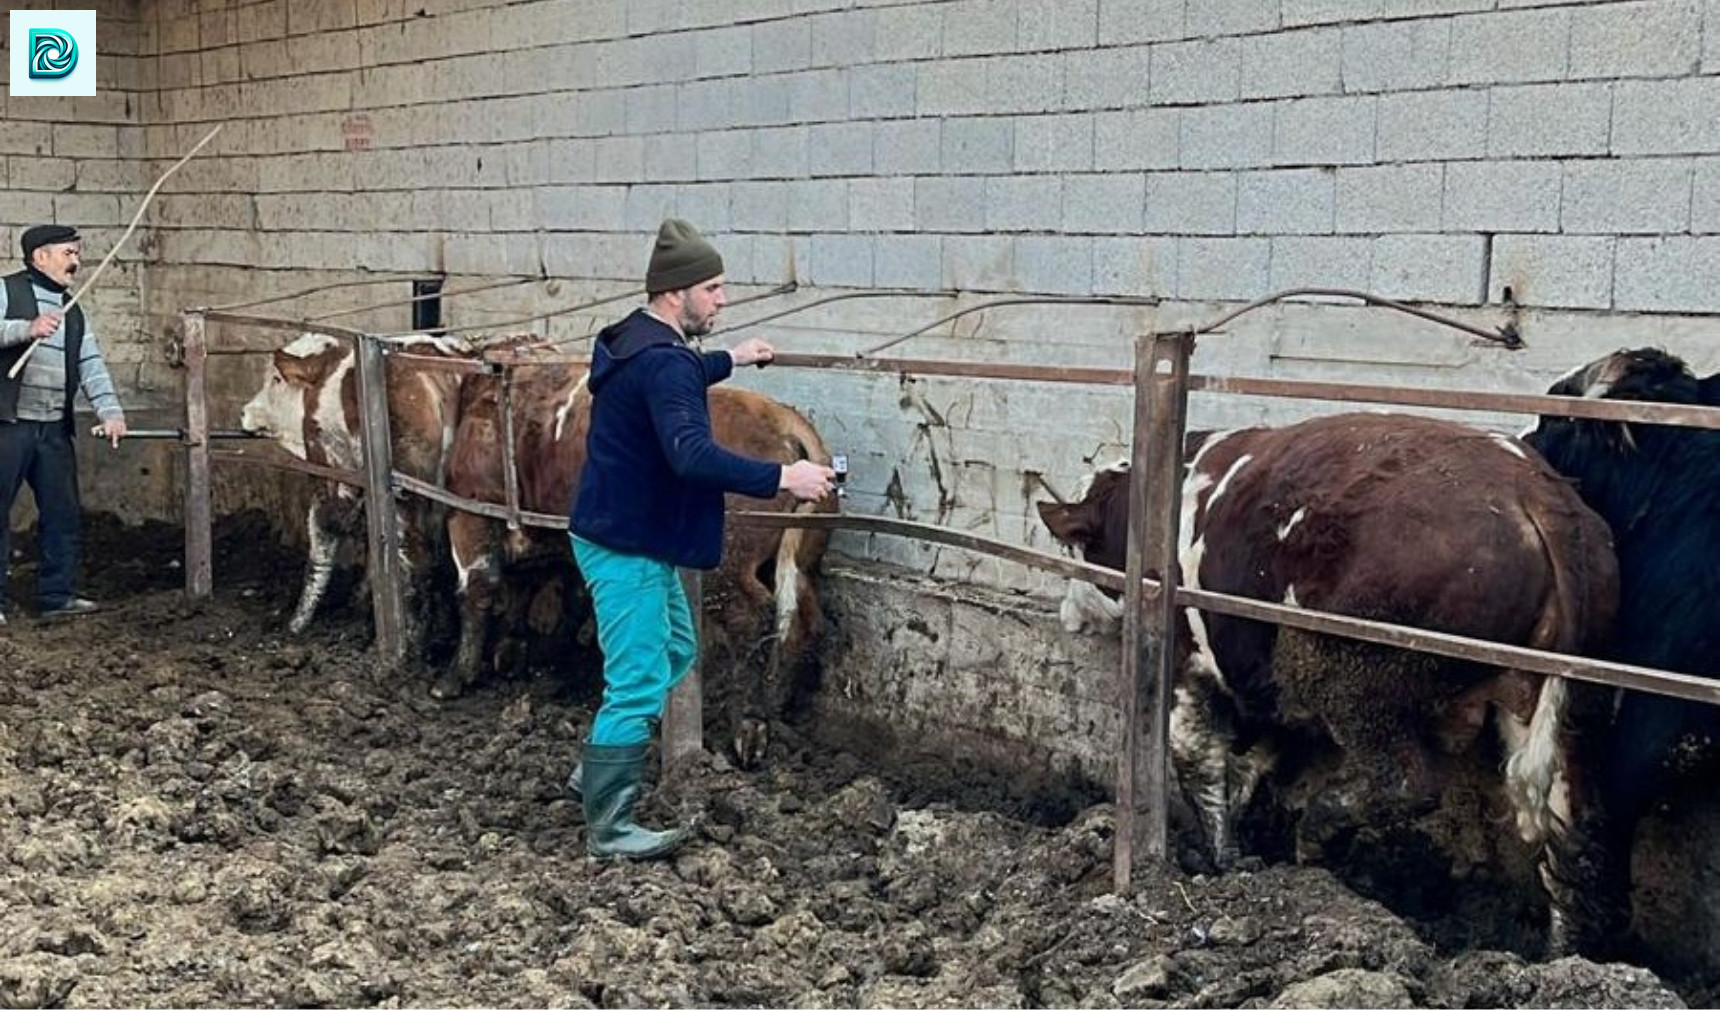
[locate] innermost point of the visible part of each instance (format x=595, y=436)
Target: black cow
x=1658, y=487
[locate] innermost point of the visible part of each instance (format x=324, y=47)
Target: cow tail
x=798, y=615
x=1536, y=773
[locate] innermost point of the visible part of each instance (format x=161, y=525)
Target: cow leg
x=327, y=524
x=477, y=563
x=1201, y=728
x=1584, y=871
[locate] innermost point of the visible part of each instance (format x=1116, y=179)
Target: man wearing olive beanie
x=650, y=500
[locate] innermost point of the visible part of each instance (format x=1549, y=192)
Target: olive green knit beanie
x=680, y=259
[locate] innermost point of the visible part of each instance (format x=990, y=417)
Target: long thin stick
x=135, y=218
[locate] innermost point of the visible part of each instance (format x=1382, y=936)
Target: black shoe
x=71, y=608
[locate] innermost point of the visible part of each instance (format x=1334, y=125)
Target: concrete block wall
x=1555, y=155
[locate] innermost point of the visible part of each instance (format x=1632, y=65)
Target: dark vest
x=21, y=304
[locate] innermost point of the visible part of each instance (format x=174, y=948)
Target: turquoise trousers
x=646, y=631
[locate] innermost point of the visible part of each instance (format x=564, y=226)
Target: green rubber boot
x=610, y=786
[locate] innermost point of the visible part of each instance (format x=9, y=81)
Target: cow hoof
x=447, y=688
x=752, y=741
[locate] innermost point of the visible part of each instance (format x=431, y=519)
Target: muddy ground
x=197, y=809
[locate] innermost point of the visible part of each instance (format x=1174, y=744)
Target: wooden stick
x=135, y=218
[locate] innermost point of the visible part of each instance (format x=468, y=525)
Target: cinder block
x=1433, y=125
x=1673, y=273
x=978, y=145
x=1429, y=268
x=1023, y=203
x=1140, y=139
x=583, y=208
x=619, y=159
x=1704, y=203
x=914, y=262
x=1510, y=46
x=1562, y=271
x=840, y=261
x=1308, y=61
x=46, y=174
x=1113, y=202
x=647, y=206
x=1390, y=198
x=1143, y=265
x=979, y=27
x=844, y=38
x=1661, y=38
x=706, y=204
x=1549, y=119
x=840, y=149
x=1054, y=143
x=1321, y=12
x=1024, y=84
x=758, y=206
x=1236, y=135
x=723, y=52
x=1125, y=21
x=1223, y=269
x=950, y=203
x=950, y=87
x=818, y=95
x=1396, y=55
x=907, y=147
x=1285, y=202
x=1229, y=17
x=758, y=101
x=781, y=152
x=1191, y=203
x=1054, y=264
x=881, y=90
x=1666, y=117
x=1632, y=196
x=913, y=32
x=725, y=154
x=1321, y=261
x=1057, y=24
x=1711, y=37
x=1105, y=78
x=1192, y=73
x=779, y=46
x=1324, y=131
x=818, y=205
x=1502, y=196
x=971, y=262
x=881, y=205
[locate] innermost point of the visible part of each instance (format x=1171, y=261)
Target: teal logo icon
x=53, y=54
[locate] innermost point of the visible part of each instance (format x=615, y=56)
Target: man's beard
x=692, y=327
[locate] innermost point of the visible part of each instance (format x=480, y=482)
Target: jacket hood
x=621, y=342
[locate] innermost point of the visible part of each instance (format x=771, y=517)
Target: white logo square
x=53, y=53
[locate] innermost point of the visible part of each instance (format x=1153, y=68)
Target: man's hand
x=752, y=351
x=807, y=480
x=43, y=326
x=113, y=430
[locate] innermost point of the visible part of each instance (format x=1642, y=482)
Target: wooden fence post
x=386, y=569
x=684, y=719
x=199, y=538
x=1149, y=618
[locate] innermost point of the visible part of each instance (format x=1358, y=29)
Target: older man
x=36, y=425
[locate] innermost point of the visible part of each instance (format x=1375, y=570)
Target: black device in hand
x=839, y=463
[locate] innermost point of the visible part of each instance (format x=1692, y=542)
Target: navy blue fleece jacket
x=654, y=476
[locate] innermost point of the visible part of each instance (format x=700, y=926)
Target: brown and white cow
x=309, y=405
x=1395, y=518
x=762, y=595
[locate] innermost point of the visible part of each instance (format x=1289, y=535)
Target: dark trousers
x=41, y=454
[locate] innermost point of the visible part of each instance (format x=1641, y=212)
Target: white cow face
x=300, y=401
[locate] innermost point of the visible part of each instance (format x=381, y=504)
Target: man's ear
x=1069, y=524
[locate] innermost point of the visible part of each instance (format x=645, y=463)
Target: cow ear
x=1069, y=524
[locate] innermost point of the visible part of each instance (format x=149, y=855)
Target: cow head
x=1646, y=374
x=301, y=402
x=1096, y=525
